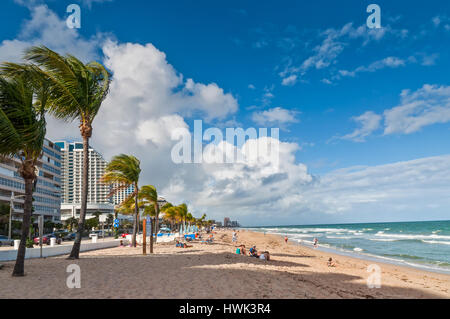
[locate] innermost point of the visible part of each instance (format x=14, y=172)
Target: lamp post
x=11, y=212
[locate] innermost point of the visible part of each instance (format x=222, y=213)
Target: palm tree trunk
x=27, y=211
x=151, y=236
x=136, y=211
x=75, y=253
x=157, y=218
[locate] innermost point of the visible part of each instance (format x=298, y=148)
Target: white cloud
x=369, y=122
x=275, y=116
x=46, y=28
x=290, y=80
x=388, y=62
x=428, y=105
x=333, y=44
x=411, y=184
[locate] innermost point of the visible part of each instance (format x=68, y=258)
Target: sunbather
x=253, y=252
x=265, y=255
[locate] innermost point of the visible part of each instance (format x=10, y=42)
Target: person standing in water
x=315, y=242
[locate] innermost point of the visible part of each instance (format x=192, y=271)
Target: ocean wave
x=436, y=242
x=404, y=256
x=358, y=249
x=411, y=236
x=339, y=237
x=383, y=239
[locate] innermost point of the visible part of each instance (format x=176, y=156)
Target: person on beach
x=285, y=239
x=316, y=241
x=253, y=252
x=331, y=262
x=234, y=238
x=240, y=250
x=265, y=256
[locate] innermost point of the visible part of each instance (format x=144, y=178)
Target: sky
x=363, y=114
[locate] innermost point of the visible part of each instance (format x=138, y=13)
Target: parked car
x=46, y=239
x=99, y=233
x=61, y=233
x=4, y=241
x=70, y=236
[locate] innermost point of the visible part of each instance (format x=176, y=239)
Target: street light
x=11, y=211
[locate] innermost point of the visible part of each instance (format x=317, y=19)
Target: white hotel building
x=47, y=194
x=72, y=172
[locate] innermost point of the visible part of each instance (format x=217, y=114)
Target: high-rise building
x=47, y=194
x=122, y=194
x=226, y=222
x=72, y=172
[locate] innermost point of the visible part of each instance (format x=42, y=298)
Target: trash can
x=52, y=241
x=94, y=238
x=16, y=244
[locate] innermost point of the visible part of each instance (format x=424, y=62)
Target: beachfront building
x=122, y=194
x=72, y=170
x=47, y=195
x=226, y=222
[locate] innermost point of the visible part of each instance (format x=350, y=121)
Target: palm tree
x=149, y=196
x=77, y=91
x=182, y=212
x=170, y=214
x=22, y=130
x=122, y=172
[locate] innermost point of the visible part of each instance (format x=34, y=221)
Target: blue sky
x=343, y=95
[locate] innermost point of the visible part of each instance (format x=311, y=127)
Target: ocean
x=418, y=244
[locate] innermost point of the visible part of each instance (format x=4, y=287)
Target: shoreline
x=215, y=271
x=362, y=256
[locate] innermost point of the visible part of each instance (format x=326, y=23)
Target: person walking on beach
x=315, y=242
x=234, y=238
x=285, y=239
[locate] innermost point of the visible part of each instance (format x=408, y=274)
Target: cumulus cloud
x=277, y=116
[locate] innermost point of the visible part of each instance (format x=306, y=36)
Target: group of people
x=182, y=245
x=240, y=250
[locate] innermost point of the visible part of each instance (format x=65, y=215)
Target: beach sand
x=215, y=271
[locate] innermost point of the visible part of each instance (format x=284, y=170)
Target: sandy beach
x=215, y=271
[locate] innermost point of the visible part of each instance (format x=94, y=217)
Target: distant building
x=226, y=222
x=47, y=195
x=72, y=170
x=234, y=223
